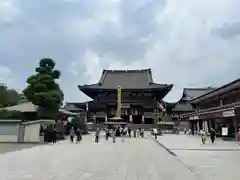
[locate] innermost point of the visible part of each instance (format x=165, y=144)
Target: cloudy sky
x=188, y=43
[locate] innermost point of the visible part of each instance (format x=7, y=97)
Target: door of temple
x=125, y=118
x=137, y=119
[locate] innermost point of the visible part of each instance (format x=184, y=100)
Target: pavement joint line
x=175, y=149
x=174, y=155
x=164, y=147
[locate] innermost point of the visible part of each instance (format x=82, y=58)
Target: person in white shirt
x=203, y=136
x=155, y=132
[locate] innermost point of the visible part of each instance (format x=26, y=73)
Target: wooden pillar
x=198, y=126
x=235, y=126
x=94, y=119
x=143, y=119
x=106, y=118
x=130, y=118
x=85, y=117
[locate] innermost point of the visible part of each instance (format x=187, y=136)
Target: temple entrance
x=149, y=121
x=137, y=119
x=125, y=118
x=100, y=120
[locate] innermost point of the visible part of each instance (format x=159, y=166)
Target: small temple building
x=141, y=97
x=184, y=105
x=218, y=109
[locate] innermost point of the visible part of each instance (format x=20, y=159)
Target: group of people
x=212, y=134
x=49, y=133
x=204, y=135
x=119, y=131
x=75, y=133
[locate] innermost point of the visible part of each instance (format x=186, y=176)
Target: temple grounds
x=132, y=159
x=177, y=157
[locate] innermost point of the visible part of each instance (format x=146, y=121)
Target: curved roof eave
x=217, y=91
x=96, y=87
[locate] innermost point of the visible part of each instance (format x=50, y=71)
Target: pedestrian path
x=184, y=142
x=219, y=161
x=133, y=159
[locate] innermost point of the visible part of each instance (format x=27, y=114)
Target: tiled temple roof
x=127, y=79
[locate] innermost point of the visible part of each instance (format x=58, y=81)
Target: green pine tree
x=42, y=89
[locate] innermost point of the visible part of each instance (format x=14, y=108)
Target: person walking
x=203, y=136
x=72, y=134
x=138, y=133
x=155, y=133
x=97, y=134
x=212, y=135
x=238, y=134
x=114, y=135
x=54, y=135
x=79, y=135
x=124, y=133
x=107, y=133
x=142, y=133
x=129, y=132
x=185, y=131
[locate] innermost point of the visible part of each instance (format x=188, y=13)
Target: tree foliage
x=42, y=88
x=8, y=97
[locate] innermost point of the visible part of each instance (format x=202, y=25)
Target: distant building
x=218, y=109
x=184, y=105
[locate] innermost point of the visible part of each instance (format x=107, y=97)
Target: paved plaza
x=8, y=147
x=219, y=161
x=141, y=159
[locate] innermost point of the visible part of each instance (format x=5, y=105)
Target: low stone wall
x=9, y=130
x=23, y=132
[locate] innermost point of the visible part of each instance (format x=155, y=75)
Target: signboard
x=193, y=117
x=224, y=131
x=211, y=115
x=229, y=113
x=196, y=117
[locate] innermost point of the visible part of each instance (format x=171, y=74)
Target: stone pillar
x=130, y=118
x=143, y=120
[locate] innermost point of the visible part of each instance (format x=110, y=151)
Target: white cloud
x=8, y=10
x=183, y=51
x=5, y=75
x=186, y=43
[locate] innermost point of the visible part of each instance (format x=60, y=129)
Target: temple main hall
x=141, y=97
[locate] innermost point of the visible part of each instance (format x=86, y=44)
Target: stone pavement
x=141, y=159
x=8, y=147
x=219, y=161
